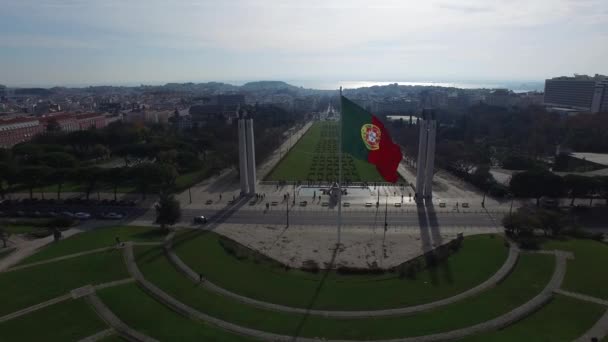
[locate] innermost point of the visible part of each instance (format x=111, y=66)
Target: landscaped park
x=193, y=285
x=315, y=159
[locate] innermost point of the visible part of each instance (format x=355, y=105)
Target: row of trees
x=537, y=183
x=143, y=177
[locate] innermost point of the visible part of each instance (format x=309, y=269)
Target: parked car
x=82, y=216
x=112, y=216
x=67, y=214
x=199, y=220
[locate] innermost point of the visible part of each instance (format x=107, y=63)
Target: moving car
x=200, y=219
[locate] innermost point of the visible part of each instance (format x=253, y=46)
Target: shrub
x=310, y=266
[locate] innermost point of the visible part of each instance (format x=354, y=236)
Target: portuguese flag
x=364, y=137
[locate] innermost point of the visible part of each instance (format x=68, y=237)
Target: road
x=371, y=218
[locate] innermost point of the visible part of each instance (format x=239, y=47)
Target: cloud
x=466, y=8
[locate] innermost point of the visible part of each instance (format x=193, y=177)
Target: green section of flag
x=353, y=118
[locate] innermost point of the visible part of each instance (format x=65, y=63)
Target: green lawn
x=67, y=321
x=531, y=275
x=23, y=229
x=584, y=273
x=32, y=285
x=144, y=314
x=101, y=237
x=311, y=157
x=563, y=319
x=270, y=282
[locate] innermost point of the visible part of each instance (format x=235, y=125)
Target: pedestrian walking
x=200, y=277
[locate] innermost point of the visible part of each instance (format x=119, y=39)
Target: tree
x=520, y=223
x=33, y=176
x=149, y=175
x=8, y=172
x=577, y=186
x=99, y=151
x=59, y=160
x=114, y=176
x=90, y=176
x=551, y=221
x=4, y=235
x=168, y=210
x=59, y=177
x=536, y=184
x=602, y=187
x=53, y=126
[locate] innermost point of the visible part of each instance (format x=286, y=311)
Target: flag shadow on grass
x=316, y=294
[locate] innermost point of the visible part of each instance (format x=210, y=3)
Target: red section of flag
x=388, y=156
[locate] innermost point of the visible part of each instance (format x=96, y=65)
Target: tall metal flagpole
x=339, y=172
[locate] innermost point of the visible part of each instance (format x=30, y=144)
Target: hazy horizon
x=67, y=42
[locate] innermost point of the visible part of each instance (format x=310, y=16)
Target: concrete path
x=599, y=330
x=35, y=307
x=506, y=268
x=72, y=294
x=99, y=336
x=29, y=247
x=582, y=297
x=110, y=318
x=64, y=257
x=494, y=324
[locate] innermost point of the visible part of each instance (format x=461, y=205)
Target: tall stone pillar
x=421, y=165
x=430, y=159
x=243, y=169
x=251, y=177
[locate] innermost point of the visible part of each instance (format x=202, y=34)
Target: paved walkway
x=599, y=330
x=99, y=336
x=506, y=268
x=582, y=297
x=110, y=318
x=64, y=257
x=494, y=324
x=29, y=247
x=70, y=295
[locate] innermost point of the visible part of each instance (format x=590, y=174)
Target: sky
x=82, y=42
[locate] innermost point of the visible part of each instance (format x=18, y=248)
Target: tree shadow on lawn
x=313, y=300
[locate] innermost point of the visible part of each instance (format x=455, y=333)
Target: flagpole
x=339, y=173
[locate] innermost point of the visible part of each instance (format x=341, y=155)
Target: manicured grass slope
x=530, y=276
x=102, y=237
x=22, y=288
x=142, y=313
x=563, y=319
x=587, y=273
x=67, y=321
x=299, y=160
x=269, y=282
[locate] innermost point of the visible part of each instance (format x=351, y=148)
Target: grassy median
x=260, y=278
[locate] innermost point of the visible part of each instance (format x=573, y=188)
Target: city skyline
x=60, y=42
